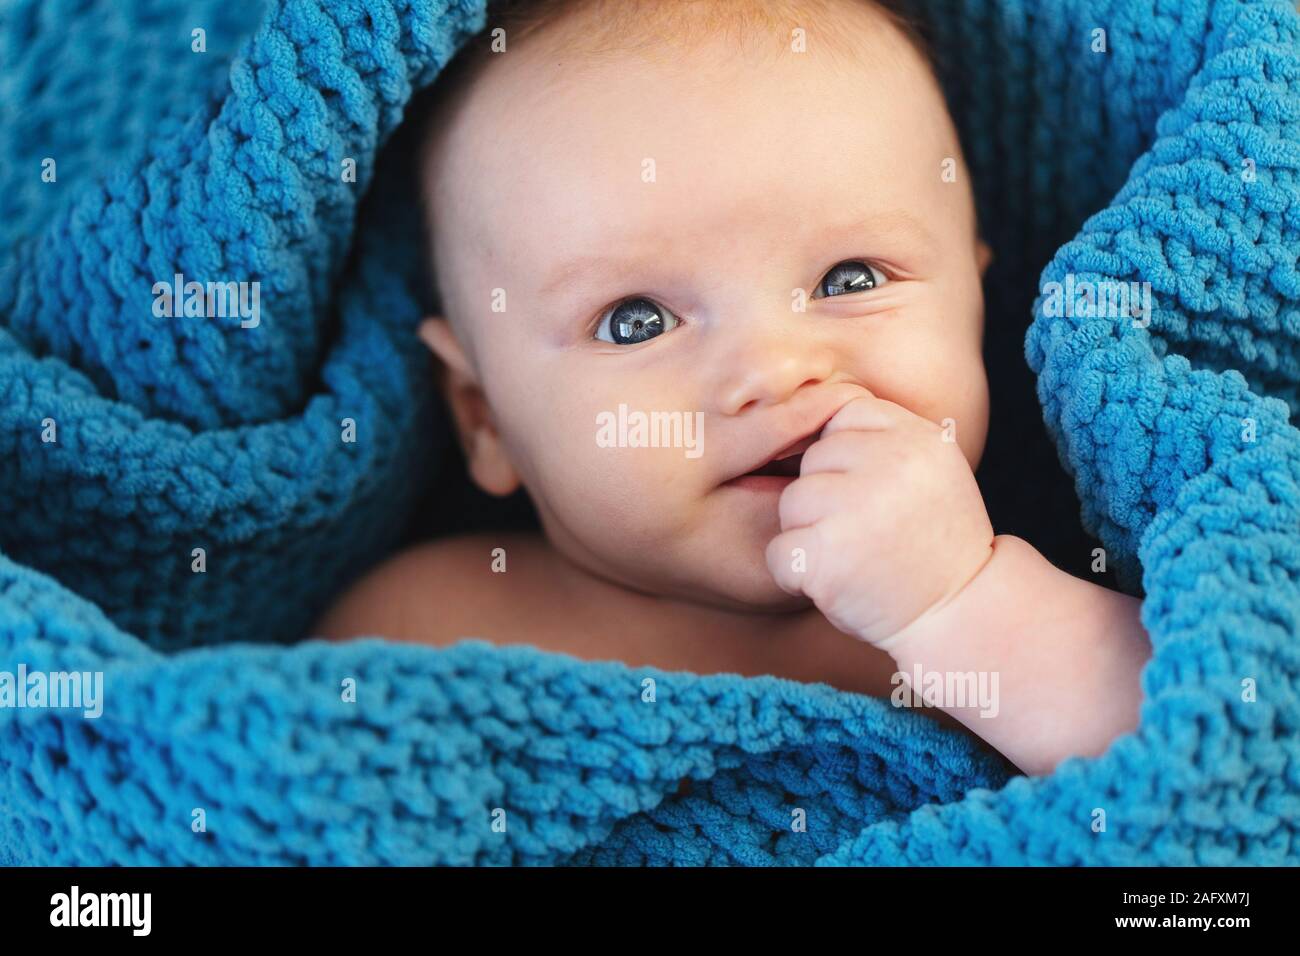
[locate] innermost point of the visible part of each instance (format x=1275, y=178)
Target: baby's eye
x=634, y=320
x=852, y=275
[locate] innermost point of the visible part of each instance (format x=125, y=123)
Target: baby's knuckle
x=820, y=454
x=794, y=504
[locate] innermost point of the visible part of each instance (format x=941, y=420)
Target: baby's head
x=741, y=212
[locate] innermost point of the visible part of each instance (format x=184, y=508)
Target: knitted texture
x=129, y=441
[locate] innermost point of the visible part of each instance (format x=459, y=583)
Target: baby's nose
x=771, y=372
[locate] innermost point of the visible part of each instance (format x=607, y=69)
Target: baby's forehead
x=541, y=131
x=522, y=95
x=568, y=42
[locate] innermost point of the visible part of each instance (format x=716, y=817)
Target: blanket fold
x=183, y=491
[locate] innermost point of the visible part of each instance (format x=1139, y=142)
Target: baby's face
x=748, y=238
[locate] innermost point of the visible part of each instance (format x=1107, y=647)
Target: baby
x=754, y=215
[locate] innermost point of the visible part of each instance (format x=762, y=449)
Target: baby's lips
x=794, y=450
x=798, y=448
x=801, y=445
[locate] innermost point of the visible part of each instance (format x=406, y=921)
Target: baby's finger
x=808, y=499
x=788, y=558
x=865, y=413
x=841, y=452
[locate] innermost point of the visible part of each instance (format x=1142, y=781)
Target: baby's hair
x=622, y=25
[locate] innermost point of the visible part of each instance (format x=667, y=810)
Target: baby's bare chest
x=526, y=596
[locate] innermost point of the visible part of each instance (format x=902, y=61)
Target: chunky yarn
x=179, y=505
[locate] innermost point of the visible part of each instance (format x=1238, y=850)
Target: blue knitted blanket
x=178, y=506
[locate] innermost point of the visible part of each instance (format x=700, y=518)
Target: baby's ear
x=485, y=453
x=983, y=255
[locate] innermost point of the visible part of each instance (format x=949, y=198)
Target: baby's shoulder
x=433, y=591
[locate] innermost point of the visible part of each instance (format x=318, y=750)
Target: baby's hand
x=884, y=524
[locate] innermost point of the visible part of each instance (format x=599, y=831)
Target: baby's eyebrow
x=892, y=222
x=581, y=265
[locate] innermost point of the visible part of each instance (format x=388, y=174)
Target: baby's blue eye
x=850, y=276
x=633, y=321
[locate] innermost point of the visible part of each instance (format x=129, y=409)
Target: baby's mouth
x=780, y=467
x=784, y=464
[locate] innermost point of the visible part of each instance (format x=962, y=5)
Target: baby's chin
x=744, y=587
x=762, y=600
x=718, y=564
x=729, y=570
x=739, y=581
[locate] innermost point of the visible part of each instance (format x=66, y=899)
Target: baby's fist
x=884, y=523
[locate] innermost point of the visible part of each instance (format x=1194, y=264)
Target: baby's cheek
x=618, y=490
x=970, y=404
x=946, y=384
